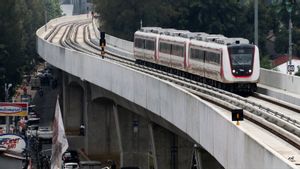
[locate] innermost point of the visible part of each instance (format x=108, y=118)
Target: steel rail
x=276, y=122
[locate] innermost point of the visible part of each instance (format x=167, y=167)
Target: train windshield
x=241, y=56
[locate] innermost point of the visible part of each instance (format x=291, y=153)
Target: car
x=33, y=114
x=31, y=108
x=47, y=75
x=32, y=121
x=71, y=165
x=70, y=156
x=32, y=130
x=91, y=164
x=44, y=133
x=3, y=129
x=3, y=148
x=35, y=83
x=39, y=74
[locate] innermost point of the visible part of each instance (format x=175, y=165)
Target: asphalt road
x=45, y=107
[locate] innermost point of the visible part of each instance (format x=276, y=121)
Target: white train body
x=230, y=63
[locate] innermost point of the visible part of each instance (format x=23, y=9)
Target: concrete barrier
x=280, y=81
x=229, y=144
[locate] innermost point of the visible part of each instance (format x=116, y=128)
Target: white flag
x=59, y=140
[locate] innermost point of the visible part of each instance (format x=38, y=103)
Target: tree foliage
x=282, y=15
x=19, y=20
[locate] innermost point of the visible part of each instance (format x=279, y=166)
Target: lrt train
x=227, y=63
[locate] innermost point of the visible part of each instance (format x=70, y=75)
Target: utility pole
x=6, y=90
x=46, y=20
x=46, y=14
x=289, y=6
x=256, y=22
x=290, y=42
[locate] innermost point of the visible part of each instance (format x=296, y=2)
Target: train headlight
x=250, y=70
x=233, y=71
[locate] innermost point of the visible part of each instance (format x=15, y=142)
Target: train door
x=196, y=61
x=177, y=56
x=164, y=53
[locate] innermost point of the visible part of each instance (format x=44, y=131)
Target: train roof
x=151, y=29
x=200, y=36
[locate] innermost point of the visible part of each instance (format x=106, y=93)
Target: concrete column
x=75, y=108
x=136, y=142
x=162, y=139
x=198, y=159
x=87, y=102
x=118, y=130
x=65, y=93
x=208, y=161
x=185, y=151
x=172, y=151
x=153, y=147
x=102, y=135
x=203, y=160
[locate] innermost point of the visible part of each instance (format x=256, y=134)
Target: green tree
x=282, y=14
x=19, y=21
x=265, y=62
x=53, y=9
x=122, y=18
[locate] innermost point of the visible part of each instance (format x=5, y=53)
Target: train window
x=213, y=57
x=197, y=54
x=139, y=43
x=165, y=48
x=177, y=50
x=149, y=44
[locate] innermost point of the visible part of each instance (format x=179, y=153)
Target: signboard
x=237, y=115
x=291, y=68
x=13, y=109
x=12, y=142
x=26, y=98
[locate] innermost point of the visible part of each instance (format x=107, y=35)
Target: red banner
x=13, y=109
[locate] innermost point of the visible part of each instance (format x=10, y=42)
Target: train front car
x=242, y=67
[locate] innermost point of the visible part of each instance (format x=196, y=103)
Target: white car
x=32, y=131
x=71, y=166
x=44, y=133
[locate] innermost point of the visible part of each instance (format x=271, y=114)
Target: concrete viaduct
x=144, y=121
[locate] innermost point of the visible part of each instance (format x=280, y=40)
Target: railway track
x=274, y=121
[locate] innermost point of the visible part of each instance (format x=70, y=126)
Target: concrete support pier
x=114, y=132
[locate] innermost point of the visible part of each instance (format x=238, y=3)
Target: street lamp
x=288, y=5
x=45, y=13
x=135, y=126
x=289, y=10
x=6, y=90
x=256, y=22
